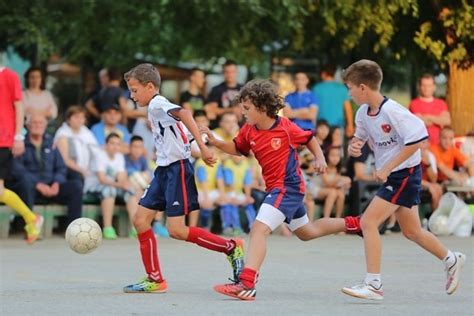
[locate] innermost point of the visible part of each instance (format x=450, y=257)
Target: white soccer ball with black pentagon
x=83, y=235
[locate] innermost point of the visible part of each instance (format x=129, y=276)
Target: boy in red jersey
x=274, y=141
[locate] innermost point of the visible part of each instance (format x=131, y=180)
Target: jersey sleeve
x=242, y=141
x=220, y=172
x=228, y=176
x=411, y=129
x=296, y=134
x=121, y=163
x=248, y=177
x=361, y=130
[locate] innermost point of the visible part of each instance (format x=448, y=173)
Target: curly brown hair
x=264, y=95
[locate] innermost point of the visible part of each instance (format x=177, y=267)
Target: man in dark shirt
x=192, y=99
x=221, y=96
x=41, y=172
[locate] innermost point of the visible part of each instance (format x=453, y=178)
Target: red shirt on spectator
x=449, y=158
x=10, y=92
x=435, y=107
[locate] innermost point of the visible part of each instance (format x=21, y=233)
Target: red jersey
x=275, y=151
x=10, y=92
x=435, y=107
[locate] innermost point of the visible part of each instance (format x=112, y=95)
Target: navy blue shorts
x=289, y=201
x=403, y=187
x=172, y=189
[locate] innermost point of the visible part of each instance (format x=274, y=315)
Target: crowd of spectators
x=105, y=150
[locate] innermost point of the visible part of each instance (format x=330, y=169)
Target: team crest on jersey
x=386, y=128
x=276, y=143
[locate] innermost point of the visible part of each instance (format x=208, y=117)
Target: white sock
x=449, y=260
x=373, y=279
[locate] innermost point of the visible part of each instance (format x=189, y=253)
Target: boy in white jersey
x=396, y=136
x=173, y=188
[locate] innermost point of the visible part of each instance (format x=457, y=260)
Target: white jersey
x=388, y=131
x=171, y=137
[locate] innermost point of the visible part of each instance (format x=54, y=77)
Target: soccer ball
x=83, y=235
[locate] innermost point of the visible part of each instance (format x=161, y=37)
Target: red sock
x=248, y=277
x=210, y=241
x=149, y=251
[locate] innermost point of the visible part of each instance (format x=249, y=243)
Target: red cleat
x=237, y=290
x=353, y=225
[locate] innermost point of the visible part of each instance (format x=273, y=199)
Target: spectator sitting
x=36, y=99
x=110, y=124
x=41, y=173
x=314, y=187
x=429, y=170
x=301, y=106
x=333, y=179
x=467, y=146
x=334, y=101
x=334, y=139
x=192, y=99
x=110, y=181
x=76, y=143
x=449, y=156
x=433, y=111
x=140, y=176
x=238, y=183
x=210, y=186
x=221, y=96
x=228, y=127
x=322, y=132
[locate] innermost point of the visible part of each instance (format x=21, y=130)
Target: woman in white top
x=76, y=143
x=36, y=99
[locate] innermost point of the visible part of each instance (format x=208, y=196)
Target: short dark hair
x=264, y=95
x=144, y=73
x=229, y=62
x=364, y=71
x=196, y=69
x=329, y=69
x=136, y=138
x=114, y=73
x=29, y=71
x=426, y=76
x=198, y=113
x=74, y=109
x=112, y=135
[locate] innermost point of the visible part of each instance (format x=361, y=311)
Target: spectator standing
x=301, y=106
x=193, y=99
x=36, y=98
x=433, y=111
x=334, y=102
x=221, y=96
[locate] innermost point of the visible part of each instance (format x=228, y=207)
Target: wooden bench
x=51, y=211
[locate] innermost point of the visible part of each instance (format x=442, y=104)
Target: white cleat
x=364, y=291
x=453, y=273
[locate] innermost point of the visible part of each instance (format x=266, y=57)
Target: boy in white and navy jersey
x=173, y=189
x=396, y=136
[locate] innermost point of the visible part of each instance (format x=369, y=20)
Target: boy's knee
x=412, y=234
x=366, y=224
x=179, y=233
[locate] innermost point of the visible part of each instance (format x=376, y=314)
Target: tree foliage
x=99, y=32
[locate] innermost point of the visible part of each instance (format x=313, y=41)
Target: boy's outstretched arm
x=186, y=117
x=319, y=162
x=404, y=154
x=227, y=147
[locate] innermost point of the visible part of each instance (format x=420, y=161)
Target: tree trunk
x=461, y=98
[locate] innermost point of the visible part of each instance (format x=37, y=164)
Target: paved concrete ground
x=297, y=279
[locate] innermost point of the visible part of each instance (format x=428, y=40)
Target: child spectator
x=449, y=156
x=210, y=185
x=322, y=132
x=110, y=181
x=238, y=183
x=140, y=176
x=301, y=106
x=333, y=179
x=110, y=123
